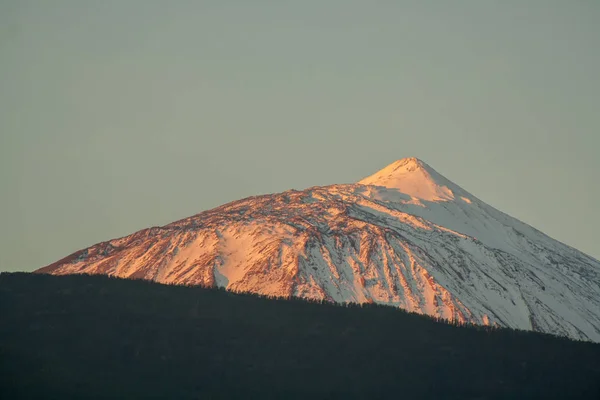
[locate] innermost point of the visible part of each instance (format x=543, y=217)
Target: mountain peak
x=415, y=178
x=409, y=163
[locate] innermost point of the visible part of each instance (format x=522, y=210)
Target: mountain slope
x=405, y=236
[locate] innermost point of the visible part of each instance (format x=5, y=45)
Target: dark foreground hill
x=77, y=336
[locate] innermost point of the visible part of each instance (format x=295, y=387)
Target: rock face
x=405, y=236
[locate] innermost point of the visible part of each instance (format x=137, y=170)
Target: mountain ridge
x=405, y=236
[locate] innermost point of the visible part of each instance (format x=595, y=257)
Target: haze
x=118, y=115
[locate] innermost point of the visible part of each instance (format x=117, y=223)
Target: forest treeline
x=82, y=336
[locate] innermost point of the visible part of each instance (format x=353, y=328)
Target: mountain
x=95, y=337
x=405, y=236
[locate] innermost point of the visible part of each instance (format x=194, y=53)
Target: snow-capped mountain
x=405, y=236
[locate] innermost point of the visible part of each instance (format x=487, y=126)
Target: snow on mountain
x=405, y=236
x=415, y=178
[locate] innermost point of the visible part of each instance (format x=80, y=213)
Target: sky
x=118, y=115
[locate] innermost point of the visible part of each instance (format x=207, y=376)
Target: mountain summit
x=405, y=236
x=413, y=177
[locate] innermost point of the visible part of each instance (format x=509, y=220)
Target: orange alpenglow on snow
x=405, y=236
x=413, y=177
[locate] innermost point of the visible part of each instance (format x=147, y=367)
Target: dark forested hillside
x=97, y=337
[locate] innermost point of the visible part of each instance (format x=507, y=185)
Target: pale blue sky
x=117, y=115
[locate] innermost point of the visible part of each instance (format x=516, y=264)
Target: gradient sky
x=117, y=115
